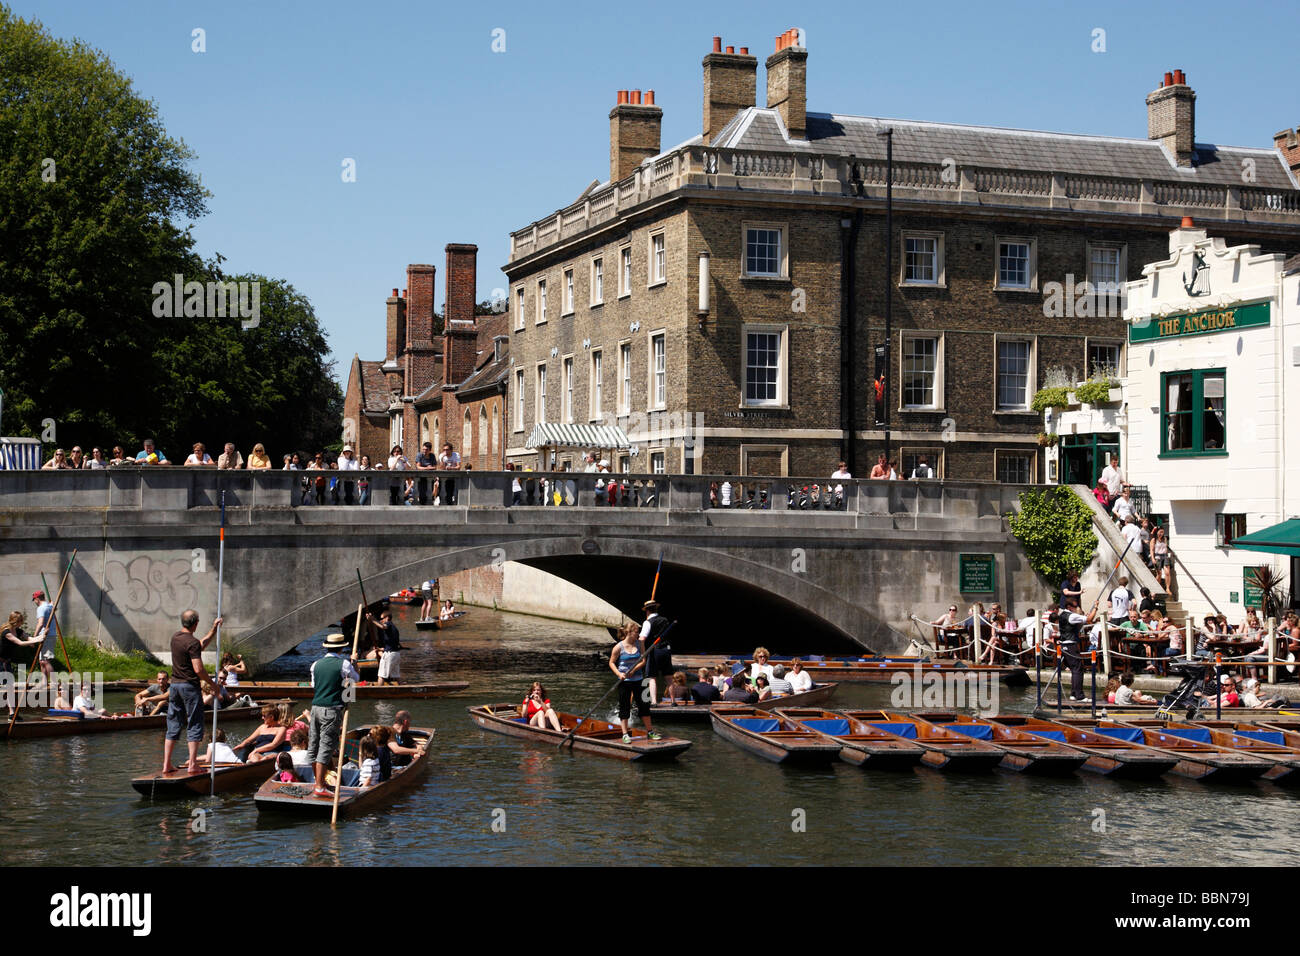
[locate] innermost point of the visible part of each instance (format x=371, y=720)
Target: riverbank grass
x=86, y=658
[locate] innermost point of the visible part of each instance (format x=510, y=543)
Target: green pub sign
x=976, y=573
x=1252, y=593
x=1199, y=323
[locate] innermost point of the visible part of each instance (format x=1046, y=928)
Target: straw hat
x=335, y=642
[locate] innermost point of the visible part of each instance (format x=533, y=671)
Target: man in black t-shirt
x=704, y=692
x=387, y=645
x=426, y=461
x=185, y=699
x=402, y=746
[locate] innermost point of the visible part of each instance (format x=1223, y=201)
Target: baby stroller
x=1184, y=695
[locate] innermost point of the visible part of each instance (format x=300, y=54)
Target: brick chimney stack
x=419, y=306
x=730, y=85
x=633, y=132
x=1171, y=117
x=787, y=83
x=396, y=328
x=1288, y=145
x=460, y=337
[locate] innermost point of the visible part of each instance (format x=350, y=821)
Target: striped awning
x=556, y=435
x=20, y=453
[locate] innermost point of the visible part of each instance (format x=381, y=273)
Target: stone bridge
x=798, y=580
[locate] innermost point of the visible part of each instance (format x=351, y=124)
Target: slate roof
x=374, y=388
x=921, y=142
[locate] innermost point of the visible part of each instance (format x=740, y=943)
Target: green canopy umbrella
x=1283, y=538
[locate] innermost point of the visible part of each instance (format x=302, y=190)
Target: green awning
x=1281, y=538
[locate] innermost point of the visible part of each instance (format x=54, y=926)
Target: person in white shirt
x=761, y=665
x=397, y=461
x=781, y=684
x=199, y=456
x=1025, y=627
x=1122, y=507
x=800, y=680
x=222, y=750
x=922, y=469
x=84, y=703
x=348, y=462
x=1113, y=478
x=841, y=474
x=1132, y=532
x=724, y=493
x=449, y=460
x=591, y=465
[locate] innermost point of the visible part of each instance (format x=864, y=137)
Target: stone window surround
x=1031, y=383
x=569, y=293
x=1090, y=340
x=519, y=400
x=783, y=367
x=540, y=318
x=939, y=397
x=1032, y=268
x=1122, y=267
x=566, y=397
x=595, y=385
x=625, y=275
x=652, y=282
x=521, y=315
x=747, y=448
x=539, y=398
x=624, y=391
x=661, y=332
x=940, y=275
x=597, y=262
x=662, y=451
x=783, y=274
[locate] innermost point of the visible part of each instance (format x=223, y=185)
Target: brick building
x=722, y=301
x=443, y=377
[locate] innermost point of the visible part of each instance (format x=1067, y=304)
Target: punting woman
x=625, y=660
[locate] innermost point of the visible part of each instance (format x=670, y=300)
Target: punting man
x=659, y=662
x=402, y=743
x=1070, y=624
x=185, y=697
x=387, y=643
x=328, y=676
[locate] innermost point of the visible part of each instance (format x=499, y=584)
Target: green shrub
x=86, y=658
x=1055, y=529
x=1046, y=398
x=1095, y=392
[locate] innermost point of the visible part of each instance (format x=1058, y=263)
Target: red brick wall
x=462, y=261
x=419, y=304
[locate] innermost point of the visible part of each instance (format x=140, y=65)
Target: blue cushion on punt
x=1200, y=734
x=64, y=713
x=977, y=731
x=901, y=728
x=817, y=658
x=1057, y=735
x=758, y=725
x=1133, y=735
x=828, y=725
x=1267, y=736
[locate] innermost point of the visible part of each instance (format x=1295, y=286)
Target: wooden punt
x=28, y=729
x=405, y=596
x=593, y=736
x=1110, y=756
x=1197, y=760
x=181, y=783
x=1111, y=712
x=819, y=694
x=861, y=744
x=773, y=737
x=869, y=669
x=1279, y=747
x=259, y=690
x=1024, y=752
x=944, y=749
x=276, y=797
x=437, y=624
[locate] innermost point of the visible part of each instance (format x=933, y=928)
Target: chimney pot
x=636, y=97
x=649, y=97
x=777, y=49
x=403, y=293
x=1187, y=223
x=731, y=49
x=744, y=51
x=1169, y=79
x=717, y=44
x=622, y=97
x=394, y=293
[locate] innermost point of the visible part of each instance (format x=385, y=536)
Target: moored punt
x=259, y=690
x=861, y=744
x=819, y=694
x=27, y=728
x=944, y=749
x=276, y=797
x=773, y=737
x=592, y=736
x=437, y=624
x=1111, y=712
x=868, y=669
x=1023, y=751
x=182, y=783
x=405, y=596
x=1197, y=759
x=1280, y=748
x=1106, y=755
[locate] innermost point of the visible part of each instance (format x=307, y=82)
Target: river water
x=491, y=799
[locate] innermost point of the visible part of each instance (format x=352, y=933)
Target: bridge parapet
x=177, y=489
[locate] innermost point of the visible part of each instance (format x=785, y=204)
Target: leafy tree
x=91, y=189
x=1055, y=529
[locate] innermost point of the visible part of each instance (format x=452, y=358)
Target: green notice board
x=977, y=573
x=1252, y=594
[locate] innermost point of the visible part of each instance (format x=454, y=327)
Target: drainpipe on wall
x=848, y=322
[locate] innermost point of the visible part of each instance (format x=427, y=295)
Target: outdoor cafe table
x=1134, y=643
x=1233, y=646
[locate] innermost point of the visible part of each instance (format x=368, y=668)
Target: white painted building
x=1213, y=365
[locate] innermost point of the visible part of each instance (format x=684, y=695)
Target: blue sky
x=456, y=143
